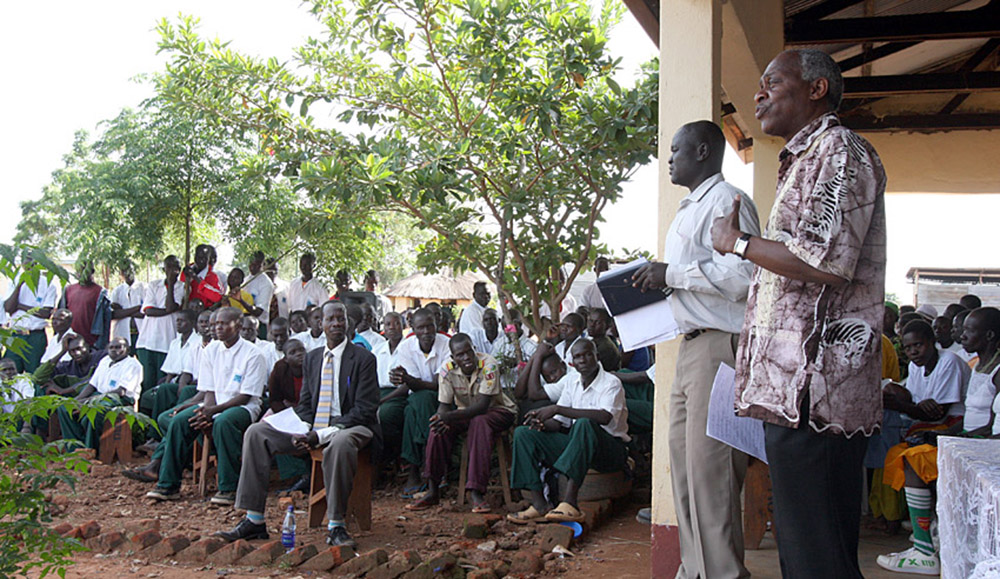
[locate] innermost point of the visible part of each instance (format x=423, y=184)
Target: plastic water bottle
x=288, y=530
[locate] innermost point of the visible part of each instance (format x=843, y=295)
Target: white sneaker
x=910, y=561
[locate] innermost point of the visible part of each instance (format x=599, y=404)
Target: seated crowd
x=234, y=359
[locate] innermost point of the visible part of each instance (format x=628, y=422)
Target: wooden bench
x=116, y=441
x=758, y=509
x=359, y=505
x=502, y=447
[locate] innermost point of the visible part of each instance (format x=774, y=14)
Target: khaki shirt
x=454, y=387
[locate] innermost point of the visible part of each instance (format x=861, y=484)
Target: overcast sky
x=69, y=65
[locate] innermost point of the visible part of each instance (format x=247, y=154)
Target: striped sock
x=332, y=523
x=921, y=510
x=255, y=517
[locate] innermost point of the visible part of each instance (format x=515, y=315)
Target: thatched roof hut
x=443, y=288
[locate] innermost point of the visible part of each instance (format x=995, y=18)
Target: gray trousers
x=707, y=475
x=340, y=462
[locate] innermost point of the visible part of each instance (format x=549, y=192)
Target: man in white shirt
x=62, y=319
x=709, y=303
x=419, y=357
x=260, y=286
x=313, y=337
x=392, y=403
x=248, y=332
x=586, y=428
x=542, y=381
x=570, y=330
x=160, y=305
x=591, y=297
x=126, y=306
x=483, y=338
x=366, y=329
x=22, y=388
x=173, y=364
x=506, y=355
x=338, y=402
x=274, y=349
x=472, y=315
x=29, y=312
x=115, y=382
x=233, y=377
x=305, y=290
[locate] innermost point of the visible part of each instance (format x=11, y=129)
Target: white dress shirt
x=302, y=295
x=309, y=341
x=22, y=389
x=55, y=346
x=192, y=359
x=229, y=372
x=261, y=288
x=156, y=333
x=271, y=353
x=337, y=354
x=44, y=296
x=565, y=351
x=125, y=373
x=127, y=296
x=418, y=364
x=386, y=360
x=472, y=318
x=710, y=289
x=604, y=393
x=480, y=343
x=174, y=362
x=554, y=390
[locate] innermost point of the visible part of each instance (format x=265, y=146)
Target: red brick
x=264, y=554
x=146, y=539
x=99, y=470
x=525, y=562
x=284, y=503
x=168, y=547
x=106, y=542
x=364, y=563
x=133, y=528
x=400, y=562
x=481, y=574
x=475, y=527
x=231, y=553
x=298, y=555
x=90, y=529
x=62, y=528
x=200, y=550
x=552, y=535
x=329, y=558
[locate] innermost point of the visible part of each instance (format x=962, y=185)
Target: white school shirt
x=44, y=296
x=55, y=346
x=947, y=384
x=125, y=373
x=554, y=390
x=157, y=332
x=229, y=372
x=472, y=318
x=127, y=296
x=710, y=289
x=480, y=343
x=565, y=351
x=261, y=288
x=300, y=295
x=192, y=358
x=385, y=360
x=374, y=338
x=309, y=341
x=325, y=433
x=418, y=364
x=174, y=362
x=22, y=389
x=281, y=296
x=270, y=352
x=604, y=393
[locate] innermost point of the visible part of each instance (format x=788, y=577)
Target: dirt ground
x=620, y=545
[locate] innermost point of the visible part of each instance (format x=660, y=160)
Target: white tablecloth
x=968, y=507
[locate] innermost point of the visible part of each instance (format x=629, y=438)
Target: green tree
x=497, y=126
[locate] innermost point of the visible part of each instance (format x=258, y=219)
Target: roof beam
x=649, y=21
x=937, y=122
x=979, y=23
x=897, y=84
x=984, y=52
x=825, y=9
x=874, y=54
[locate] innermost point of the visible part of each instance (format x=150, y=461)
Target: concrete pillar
x=690, y=89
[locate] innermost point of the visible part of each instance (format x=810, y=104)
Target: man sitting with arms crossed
x=585, y=429
x=232, y=377
x=469, y=400
x=339, y=398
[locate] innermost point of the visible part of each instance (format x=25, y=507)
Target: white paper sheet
x=287, y=421
x=741, y=433
x=645, y=326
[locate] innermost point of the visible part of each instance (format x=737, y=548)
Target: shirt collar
x=338, y=351
x=809, y=133
x=703, y=188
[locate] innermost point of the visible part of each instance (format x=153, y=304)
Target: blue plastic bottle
x=288, y=530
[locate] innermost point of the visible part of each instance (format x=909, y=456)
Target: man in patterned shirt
x=809, y=358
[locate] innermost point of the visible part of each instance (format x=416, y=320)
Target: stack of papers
x=646, y=325
x=287, y=421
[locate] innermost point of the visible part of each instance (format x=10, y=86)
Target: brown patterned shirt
x=829, y=212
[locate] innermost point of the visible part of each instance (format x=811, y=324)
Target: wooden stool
x=359, y=504
x=203, y=462
x=502, y=448
x=757, y=506
x=116, y=441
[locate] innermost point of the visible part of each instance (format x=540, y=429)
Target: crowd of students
x=207, y=354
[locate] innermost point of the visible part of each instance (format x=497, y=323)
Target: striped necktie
x=325, y=403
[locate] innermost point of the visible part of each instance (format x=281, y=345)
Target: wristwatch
x=740, y=247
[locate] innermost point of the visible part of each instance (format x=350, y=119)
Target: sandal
x=528, y=515
x=410, y=492
x=565, y=513
x=481, y=507
x=422, y=504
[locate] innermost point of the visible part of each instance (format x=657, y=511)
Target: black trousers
x=816, y=483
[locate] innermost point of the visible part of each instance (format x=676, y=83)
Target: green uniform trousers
x=80, y=428
x=227, y=439
x=640, y=417
x=36, y=342
x=585, y=446
x=292, y=466
x=162, y=409
x=420, y=406
x=391, y=415
x=151, y=362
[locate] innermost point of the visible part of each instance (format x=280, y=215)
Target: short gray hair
x=818, y=64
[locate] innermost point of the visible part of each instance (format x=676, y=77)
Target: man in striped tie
x=339, y=403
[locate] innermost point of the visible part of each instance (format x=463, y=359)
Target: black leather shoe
x=245, y=530
x=338, y=537
x=301, y=485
